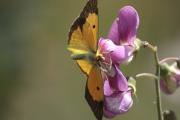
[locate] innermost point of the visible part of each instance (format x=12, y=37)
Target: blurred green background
x=39, y=81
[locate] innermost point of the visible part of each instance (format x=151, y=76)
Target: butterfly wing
x=83, y=40
x=83, y=34
x=94, y=92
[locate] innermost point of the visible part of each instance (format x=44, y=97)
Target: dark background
x=39, y=81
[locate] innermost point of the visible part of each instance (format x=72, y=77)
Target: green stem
x=157, y=85
x=157, y=81
x=169, y=59
x=143, y=75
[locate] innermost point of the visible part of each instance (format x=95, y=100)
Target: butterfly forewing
x=83, y=34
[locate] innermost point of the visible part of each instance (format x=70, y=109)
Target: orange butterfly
x=83, y=45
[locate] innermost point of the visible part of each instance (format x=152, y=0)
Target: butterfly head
x=99, y=57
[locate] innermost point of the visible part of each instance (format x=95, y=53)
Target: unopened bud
x=169, y=115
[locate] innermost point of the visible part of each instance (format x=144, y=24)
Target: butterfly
x=82, y=42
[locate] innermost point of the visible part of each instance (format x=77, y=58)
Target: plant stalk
x=157, y=85
x=157, y=80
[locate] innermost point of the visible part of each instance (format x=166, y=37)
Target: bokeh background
x=39, y=81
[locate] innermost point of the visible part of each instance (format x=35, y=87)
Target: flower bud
x=170, y=78
x=169, y=115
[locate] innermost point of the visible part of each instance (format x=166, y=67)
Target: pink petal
x=119, y=81
x=124, y=28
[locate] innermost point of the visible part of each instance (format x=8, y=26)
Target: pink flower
x=119, y=46
x=115, y=50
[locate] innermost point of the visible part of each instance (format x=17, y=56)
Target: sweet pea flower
x=119, y=46
x=117, y=94
x=170, y=78
x=116, y=49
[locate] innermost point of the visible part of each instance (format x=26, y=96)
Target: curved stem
x=169, y=59
x=149, y=75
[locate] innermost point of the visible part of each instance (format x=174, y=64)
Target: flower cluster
x=116, y=49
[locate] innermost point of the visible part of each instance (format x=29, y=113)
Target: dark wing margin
x=91, y=7
x=96, y=107
x=94, y=92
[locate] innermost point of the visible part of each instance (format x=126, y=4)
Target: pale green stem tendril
x=146, y=75
x=169, y=59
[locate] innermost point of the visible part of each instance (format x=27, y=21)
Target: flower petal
x=115, y=53
x=178, y=80
x=114, y=32
x=177, y=77
x=128, y=24
x=164, y=88
x=108, y=114
x=126, y=102
x=107, y=88
x=118, y=103
x=119, y=81
x=123, y=29
x=122, y=54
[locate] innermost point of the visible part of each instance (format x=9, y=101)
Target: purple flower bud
x=170, y=78
x=124, y=28
x=169, y=115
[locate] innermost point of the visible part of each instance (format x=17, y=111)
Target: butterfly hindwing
x=83, y=34
x=94, y=92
